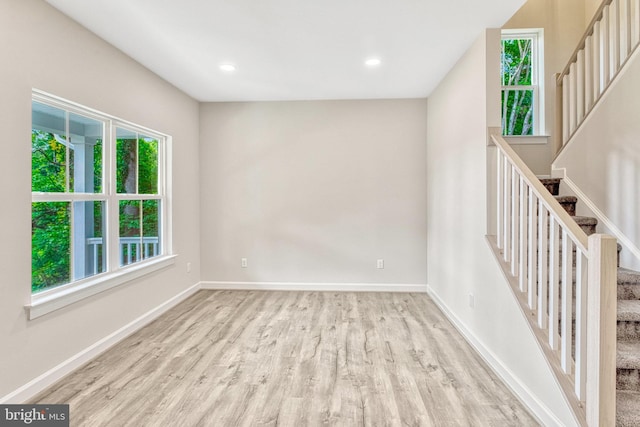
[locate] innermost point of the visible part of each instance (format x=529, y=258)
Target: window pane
x=127, y=161
x=151, y=228
x=85, y=170
x=130, y=233
x=50, y=245
x=148, y=165
x=48, y=149
x=517, y=112
x=516, y=62
x=89, y=257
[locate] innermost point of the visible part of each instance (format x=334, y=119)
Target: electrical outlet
x=188, y=267
x=472, y=301
x=243, y=263
x=380, y=263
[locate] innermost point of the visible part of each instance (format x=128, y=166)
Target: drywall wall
x=563, y=25
x=603, y=161
x=314, y=191
x=43, y=49
x=460, y=264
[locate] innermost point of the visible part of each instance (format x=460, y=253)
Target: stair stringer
x=552, y=357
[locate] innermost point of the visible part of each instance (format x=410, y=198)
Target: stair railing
x=537, y=243
x=609, y=41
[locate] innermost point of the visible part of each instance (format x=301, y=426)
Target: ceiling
x=293, y=49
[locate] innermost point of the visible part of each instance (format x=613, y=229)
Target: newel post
x=601, y=331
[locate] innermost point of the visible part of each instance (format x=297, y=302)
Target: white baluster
x=605, y=57
x=581, y=326
x=499, y=197
x=507, y=211
x=625, y=29
x=588, y=74
x=580, y=101
x=614, y=38
x=573, y=96
x=567, y=303
x=523, y=235
x=566, y=129
x=635, y=22
x=554, y=265
x=515, y=205
x=542, y=264
x=533, y=245
x=596, y=56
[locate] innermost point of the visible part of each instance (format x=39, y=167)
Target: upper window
x=99, y=199
x=522, y=75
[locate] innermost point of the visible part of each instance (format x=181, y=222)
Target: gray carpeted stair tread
x=628, y=355
x=628, y=311
x=628, y=320
x=585, y=220
x=550, y=180
x=566, y=199
x=628, y=277
x=627, y=408
x=568, y=203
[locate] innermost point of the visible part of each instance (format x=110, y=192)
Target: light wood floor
x=248, y=358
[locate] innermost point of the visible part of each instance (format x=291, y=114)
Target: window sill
x=48, y=301
x=526, y=139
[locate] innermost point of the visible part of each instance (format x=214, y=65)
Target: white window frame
x=48, y=300
x=537, y=75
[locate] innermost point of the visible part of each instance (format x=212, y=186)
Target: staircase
x=628, y=321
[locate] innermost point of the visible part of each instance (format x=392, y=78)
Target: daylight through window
x=521, y=82
x=98, y=194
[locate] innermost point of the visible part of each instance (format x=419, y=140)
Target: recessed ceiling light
x=228, y=68
x=373, y=62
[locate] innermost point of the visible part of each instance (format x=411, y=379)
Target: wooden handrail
x=564, y=293
x=582, y=43
x=564, y=219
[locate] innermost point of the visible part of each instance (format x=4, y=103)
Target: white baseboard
x=331, y=287
x=537, y=408
x=31, y=389
x=602, y=218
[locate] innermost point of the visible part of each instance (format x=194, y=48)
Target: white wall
x=603, y=161
x=314, y=191
x=459, y=261
x=590, y=9
x=563, y=24
x=43, y=49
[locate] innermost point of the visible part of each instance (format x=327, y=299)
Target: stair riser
x=570, y=208
x=628, y=379
x=552, y=187
x=629, y=292
x=628, y=330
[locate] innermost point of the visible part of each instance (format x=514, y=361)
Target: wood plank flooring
x=251, y=358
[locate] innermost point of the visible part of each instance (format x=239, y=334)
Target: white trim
x=50, y=300
x=32, y=388
x=526, y=139
x=301, y=286
x=538, y=409
x=82, y=110
x=602, y=218
x=537, y=78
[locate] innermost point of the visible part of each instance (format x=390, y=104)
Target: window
x=99, y=202
x=522, y=77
